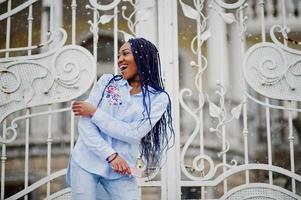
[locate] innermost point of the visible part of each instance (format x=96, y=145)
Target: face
x=126, y=63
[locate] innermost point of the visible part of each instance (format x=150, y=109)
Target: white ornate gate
x=229, y=91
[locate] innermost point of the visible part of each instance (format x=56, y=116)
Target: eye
x=123, y=53
x=126, y=53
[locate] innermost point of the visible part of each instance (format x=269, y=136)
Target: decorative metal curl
x=273, y=70
x=199, y=73
x=60, y=41
x=230, y=18
x=109, y=6
x=17, y=79
x=270, y=64
x=235, y=5
x=94, y=26
x=132, y=21
x=12, y=128
x=193, y=113
x=220, y=113
x=194, y=133
x=27, y=94
x=198, y=165
x=284, y=31
x=270, y=105
x=196, y=13
x=66, y=71
x=50, y=40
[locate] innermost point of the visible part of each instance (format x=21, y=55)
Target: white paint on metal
x=64, y=79
x=160, y=25
x=38, y=184
x=168, y=28
x=109, y=6
x=14, y=11
x=260, y=191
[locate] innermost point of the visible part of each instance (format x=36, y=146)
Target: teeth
x=123, y=67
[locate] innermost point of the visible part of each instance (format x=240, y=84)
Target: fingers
x=121, y=167
x=77, y=108
x=126, y=169
x=83, y=108
x=76, y=104
x=78, y=112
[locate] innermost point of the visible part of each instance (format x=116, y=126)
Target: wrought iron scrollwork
x=273, y=69
x=60, y=74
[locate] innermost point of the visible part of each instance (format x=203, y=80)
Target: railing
x=273, y=13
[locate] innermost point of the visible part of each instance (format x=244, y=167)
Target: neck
x=134, y=83
x=136, y=86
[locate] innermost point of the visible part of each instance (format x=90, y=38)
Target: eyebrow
x=124, y=50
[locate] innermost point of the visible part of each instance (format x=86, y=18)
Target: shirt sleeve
x=131, y=132
x=89, y=133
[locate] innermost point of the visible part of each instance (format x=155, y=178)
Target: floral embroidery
x=113, y=95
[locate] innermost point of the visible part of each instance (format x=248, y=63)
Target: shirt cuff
x=107, y=153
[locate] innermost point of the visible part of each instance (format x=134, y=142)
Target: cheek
x=133, y=64
x=133, y=68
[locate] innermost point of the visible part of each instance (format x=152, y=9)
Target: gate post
x=147, y=16
x=161, y=27
x=168, y=47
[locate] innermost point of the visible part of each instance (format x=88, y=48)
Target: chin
x=125, y=77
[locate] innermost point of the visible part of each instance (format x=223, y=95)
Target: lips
x=123, y=67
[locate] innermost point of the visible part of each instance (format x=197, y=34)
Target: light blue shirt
x=118, y=125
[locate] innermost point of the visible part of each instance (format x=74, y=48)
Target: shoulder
x=159, y=102
x=105, y=78
x=162, y=98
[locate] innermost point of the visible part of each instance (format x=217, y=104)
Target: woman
x=123, y=114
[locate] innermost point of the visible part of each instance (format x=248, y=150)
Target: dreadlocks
x=156, y=142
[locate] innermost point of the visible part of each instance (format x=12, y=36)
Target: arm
x=95, y=143
x=91, y=138
x=88, y=131
x=134, y=131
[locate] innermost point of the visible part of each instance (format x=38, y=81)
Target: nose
x=120, y=59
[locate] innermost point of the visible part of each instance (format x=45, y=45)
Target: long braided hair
x=156, y=142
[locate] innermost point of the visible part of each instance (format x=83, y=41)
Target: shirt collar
x=124, y=82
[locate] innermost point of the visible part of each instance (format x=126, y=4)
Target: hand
x=82, y=108
x=120, y=166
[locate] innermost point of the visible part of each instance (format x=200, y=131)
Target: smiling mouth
x=123, y=67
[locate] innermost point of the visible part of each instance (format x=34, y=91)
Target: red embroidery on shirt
x=113, y=95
